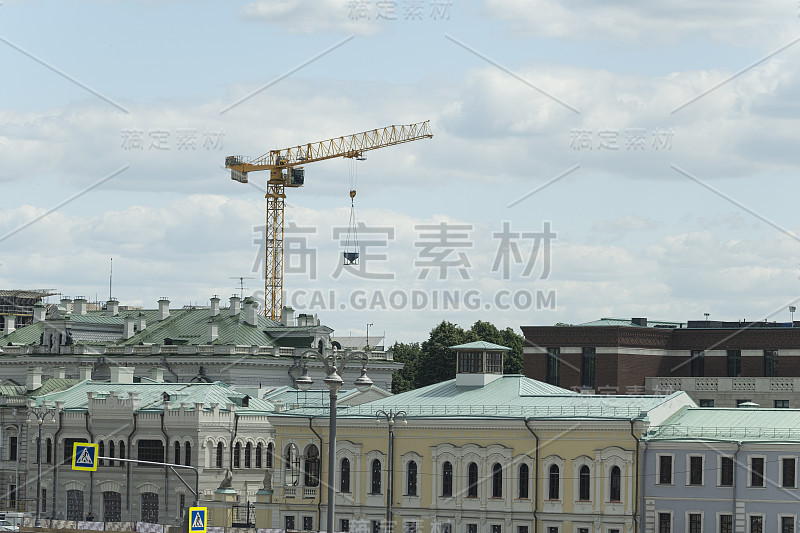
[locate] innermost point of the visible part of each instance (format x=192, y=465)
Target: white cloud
x=316, y=16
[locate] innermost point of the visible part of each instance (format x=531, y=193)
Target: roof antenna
x=110, y=277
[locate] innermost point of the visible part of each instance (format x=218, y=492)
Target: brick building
x=616, y=355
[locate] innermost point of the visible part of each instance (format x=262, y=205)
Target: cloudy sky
x=589, y=159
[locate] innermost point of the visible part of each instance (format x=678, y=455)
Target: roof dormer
x=478, y=363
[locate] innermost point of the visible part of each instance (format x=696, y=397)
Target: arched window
x=218, y=463
x=237, y=455
x=376, y=477
x=615, y=488
x=497, y=481
x=552, y=492
x=291, y=466
x=259, y=453
x=111, y=452
x=344, y=476
x=411, y=479
x=524, y=472
x=248, y=452
x=472, y=481
x=187, y=454
x=447, y=479
x=270, y=451
x=122, y=451
x=177, y=458
x=311, y=478
x=101, y=451
x=48, y=454
x=585, y=480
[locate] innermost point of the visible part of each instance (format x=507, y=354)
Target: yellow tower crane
x=285, y=170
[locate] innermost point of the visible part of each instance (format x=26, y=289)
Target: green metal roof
x=23, y=336
x=510, y=396
x=730, y=424
x=480, y=345
x=75, y=398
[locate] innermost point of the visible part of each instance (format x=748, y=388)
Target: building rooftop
x=730, y=424
x=480, y=345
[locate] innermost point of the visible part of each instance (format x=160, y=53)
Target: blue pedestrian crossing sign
x=197, y=519
x=84, y=456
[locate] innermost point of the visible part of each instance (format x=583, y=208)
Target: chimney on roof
x=122, y=374
x=287, y=316
x=156, y=374
x=67, y=304
x=639, y=322
x=163, y=308
x=212, y=332
x=39, y=312
x=141, y=322
x=59, y=372
x=85, y=372
x=235, y=305
x=127, y=328
x=250, y=311
x=10, y=326
x=214, y=305
x=33, y=378
x=79, y=306
x=112, y=307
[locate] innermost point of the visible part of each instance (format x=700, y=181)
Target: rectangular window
x=344, y=524
x=588, y=359
x=788, y=472
x=44, y=500
x=583, y=530
x=150, y=450
x=522, y=529
x=696, y=470
x=12, y=448
x=725, y=523
x=734, y=360
x=288, y=522
x=308, y=523
x=497, y=528
x=552, y=529
x=664, y=523
x=665, y=469
x=410, y=527
x=470, y=362
x=695, y=523
x=756, y=524
x=706, y=403
x=770, y=363
x=756, y=471
x=447, y=527
x=553, y=366
x=726, y=471
x=698, y=365
x=787, y=524
x=781, y=404
x=494, y=362
x=472, y=528
x=376, y=526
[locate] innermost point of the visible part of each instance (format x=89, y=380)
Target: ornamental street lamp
x=38, y=415
x=390, y=418
x=334, y=382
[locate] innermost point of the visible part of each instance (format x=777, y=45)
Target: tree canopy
x=433, y=361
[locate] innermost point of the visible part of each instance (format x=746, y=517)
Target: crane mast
x=286, y=170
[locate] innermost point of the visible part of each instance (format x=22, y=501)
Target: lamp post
x=38, y=415
x=368, y=325
x=334, y=382
x=390, y=418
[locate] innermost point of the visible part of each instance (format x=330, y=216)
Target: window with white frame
x=756, y=464
x=788, y=472
x=553, y=478
x=695, y=470
x=615, y=484
x=695, y=523
x=584, y=484
x=665, y=465
x=755, y=523
x=664, y=522
x=787, y=523
x=725, y=523
x=725, y=467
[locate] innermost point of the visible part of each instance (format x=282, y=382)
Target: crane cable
x=351, y=242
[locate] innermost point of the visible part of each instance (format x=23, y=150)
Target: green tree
x=403, y=380
x=512, y=361
x=437, y=362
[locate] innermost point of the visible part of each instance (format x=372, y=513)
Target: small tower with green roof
x=478, y=363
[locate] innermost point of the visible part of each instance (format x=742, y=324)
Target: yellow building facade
x=483, y=453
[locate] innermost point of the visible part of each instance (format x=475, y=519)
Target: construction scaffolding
x=19, y=303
